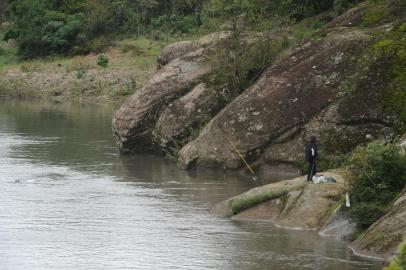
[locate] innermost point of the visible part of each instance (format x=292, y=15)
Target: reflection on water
x=69, y=201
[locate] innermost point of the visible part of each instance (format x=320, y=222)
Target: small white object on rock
x=369, y=137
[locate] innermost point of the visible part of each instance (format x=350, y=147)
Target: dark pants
x=312, y=169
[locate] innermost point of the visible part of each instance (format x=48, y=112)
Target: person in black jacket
x=311, y=156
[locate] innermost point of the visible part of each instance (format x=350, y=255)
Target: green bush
x=374, y=16
x=391, y=52
x=102, y=60
x=399, y=262
x=376, y=176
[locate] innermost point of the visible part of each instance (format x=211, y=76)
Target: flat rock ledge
x=300, y=205
x=294, y=204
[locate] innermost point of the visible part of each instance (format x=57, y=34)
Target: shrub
x=374, y=16
x=79, y=63
x=102, y=60
x=376, y=176
x=399, y=262
x=391, y=53
x=95, y=45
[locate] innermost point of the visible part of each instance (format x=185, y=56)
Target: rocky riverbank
x=294, y=204
x=329, y=86
x=337, y=85
x=300, y=205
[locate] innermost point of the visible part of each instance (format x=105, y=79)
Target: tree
x=3, y=10
x=141, y=8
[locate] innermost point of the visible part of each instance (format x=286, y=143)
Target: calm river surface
x=69, y=201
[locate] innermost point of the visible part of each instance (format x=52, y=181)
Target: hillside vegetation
x=50, y=49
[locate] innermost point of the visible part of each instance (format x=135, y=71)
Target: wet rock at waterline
x=339, y=225
x=181, y=118
x=298, y=204
x=383, y=237
x=185, y=65
x=134, y=121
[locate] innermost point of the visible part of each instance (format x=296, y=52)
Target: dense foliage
x=3, y=9
x=391, y=52
x=61, y=27
x=377, y=175
x=43, y=27
x=399, y=261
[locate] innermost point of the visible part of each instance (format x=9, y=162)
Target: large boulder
x=337, y=132
x=292, y=203
x=383, y=237
x=185, y=116
x=305, y=93
x=133, y=122
x=185, y=65
x=178, y=49
x=174, y=51
x=182, y=67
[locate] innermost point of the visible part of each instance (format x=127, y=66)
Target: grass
x=240, y=204
x=8, y=54
x=17, y=89
x=131, y=62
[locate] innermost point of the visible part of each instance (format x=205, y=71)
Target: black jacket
x=309, y=154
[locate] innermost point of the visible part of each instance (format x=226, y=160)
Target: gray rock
x=264, y=122
x=304, y=205
x=186, y=116
x=383, y=237
x=134, y=121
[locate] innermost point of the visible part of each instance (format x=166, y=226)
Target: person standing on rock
x=311, y=156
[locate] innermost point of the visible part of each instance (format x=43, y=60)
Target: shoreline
x=348, y=243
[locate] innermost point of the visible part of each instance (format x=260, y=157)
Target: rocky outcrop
x=174, y=51
x=140, y=124
x=181, y=118
x=294, y=204
x=181, y=48
x=322, y=88
x=134, y=121
x=351, y=18
x=302, y=94
x=383, y=237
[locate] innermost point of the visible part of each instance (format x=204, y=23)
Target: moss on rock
x=240, y=204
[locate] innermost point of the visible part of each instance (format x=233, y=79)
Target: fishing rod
x=254, y=177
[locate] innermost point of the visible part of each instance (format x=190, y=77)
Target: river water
x=69, y=201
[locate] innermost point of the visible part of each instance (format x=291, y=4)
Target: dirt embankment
x=130, y=64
